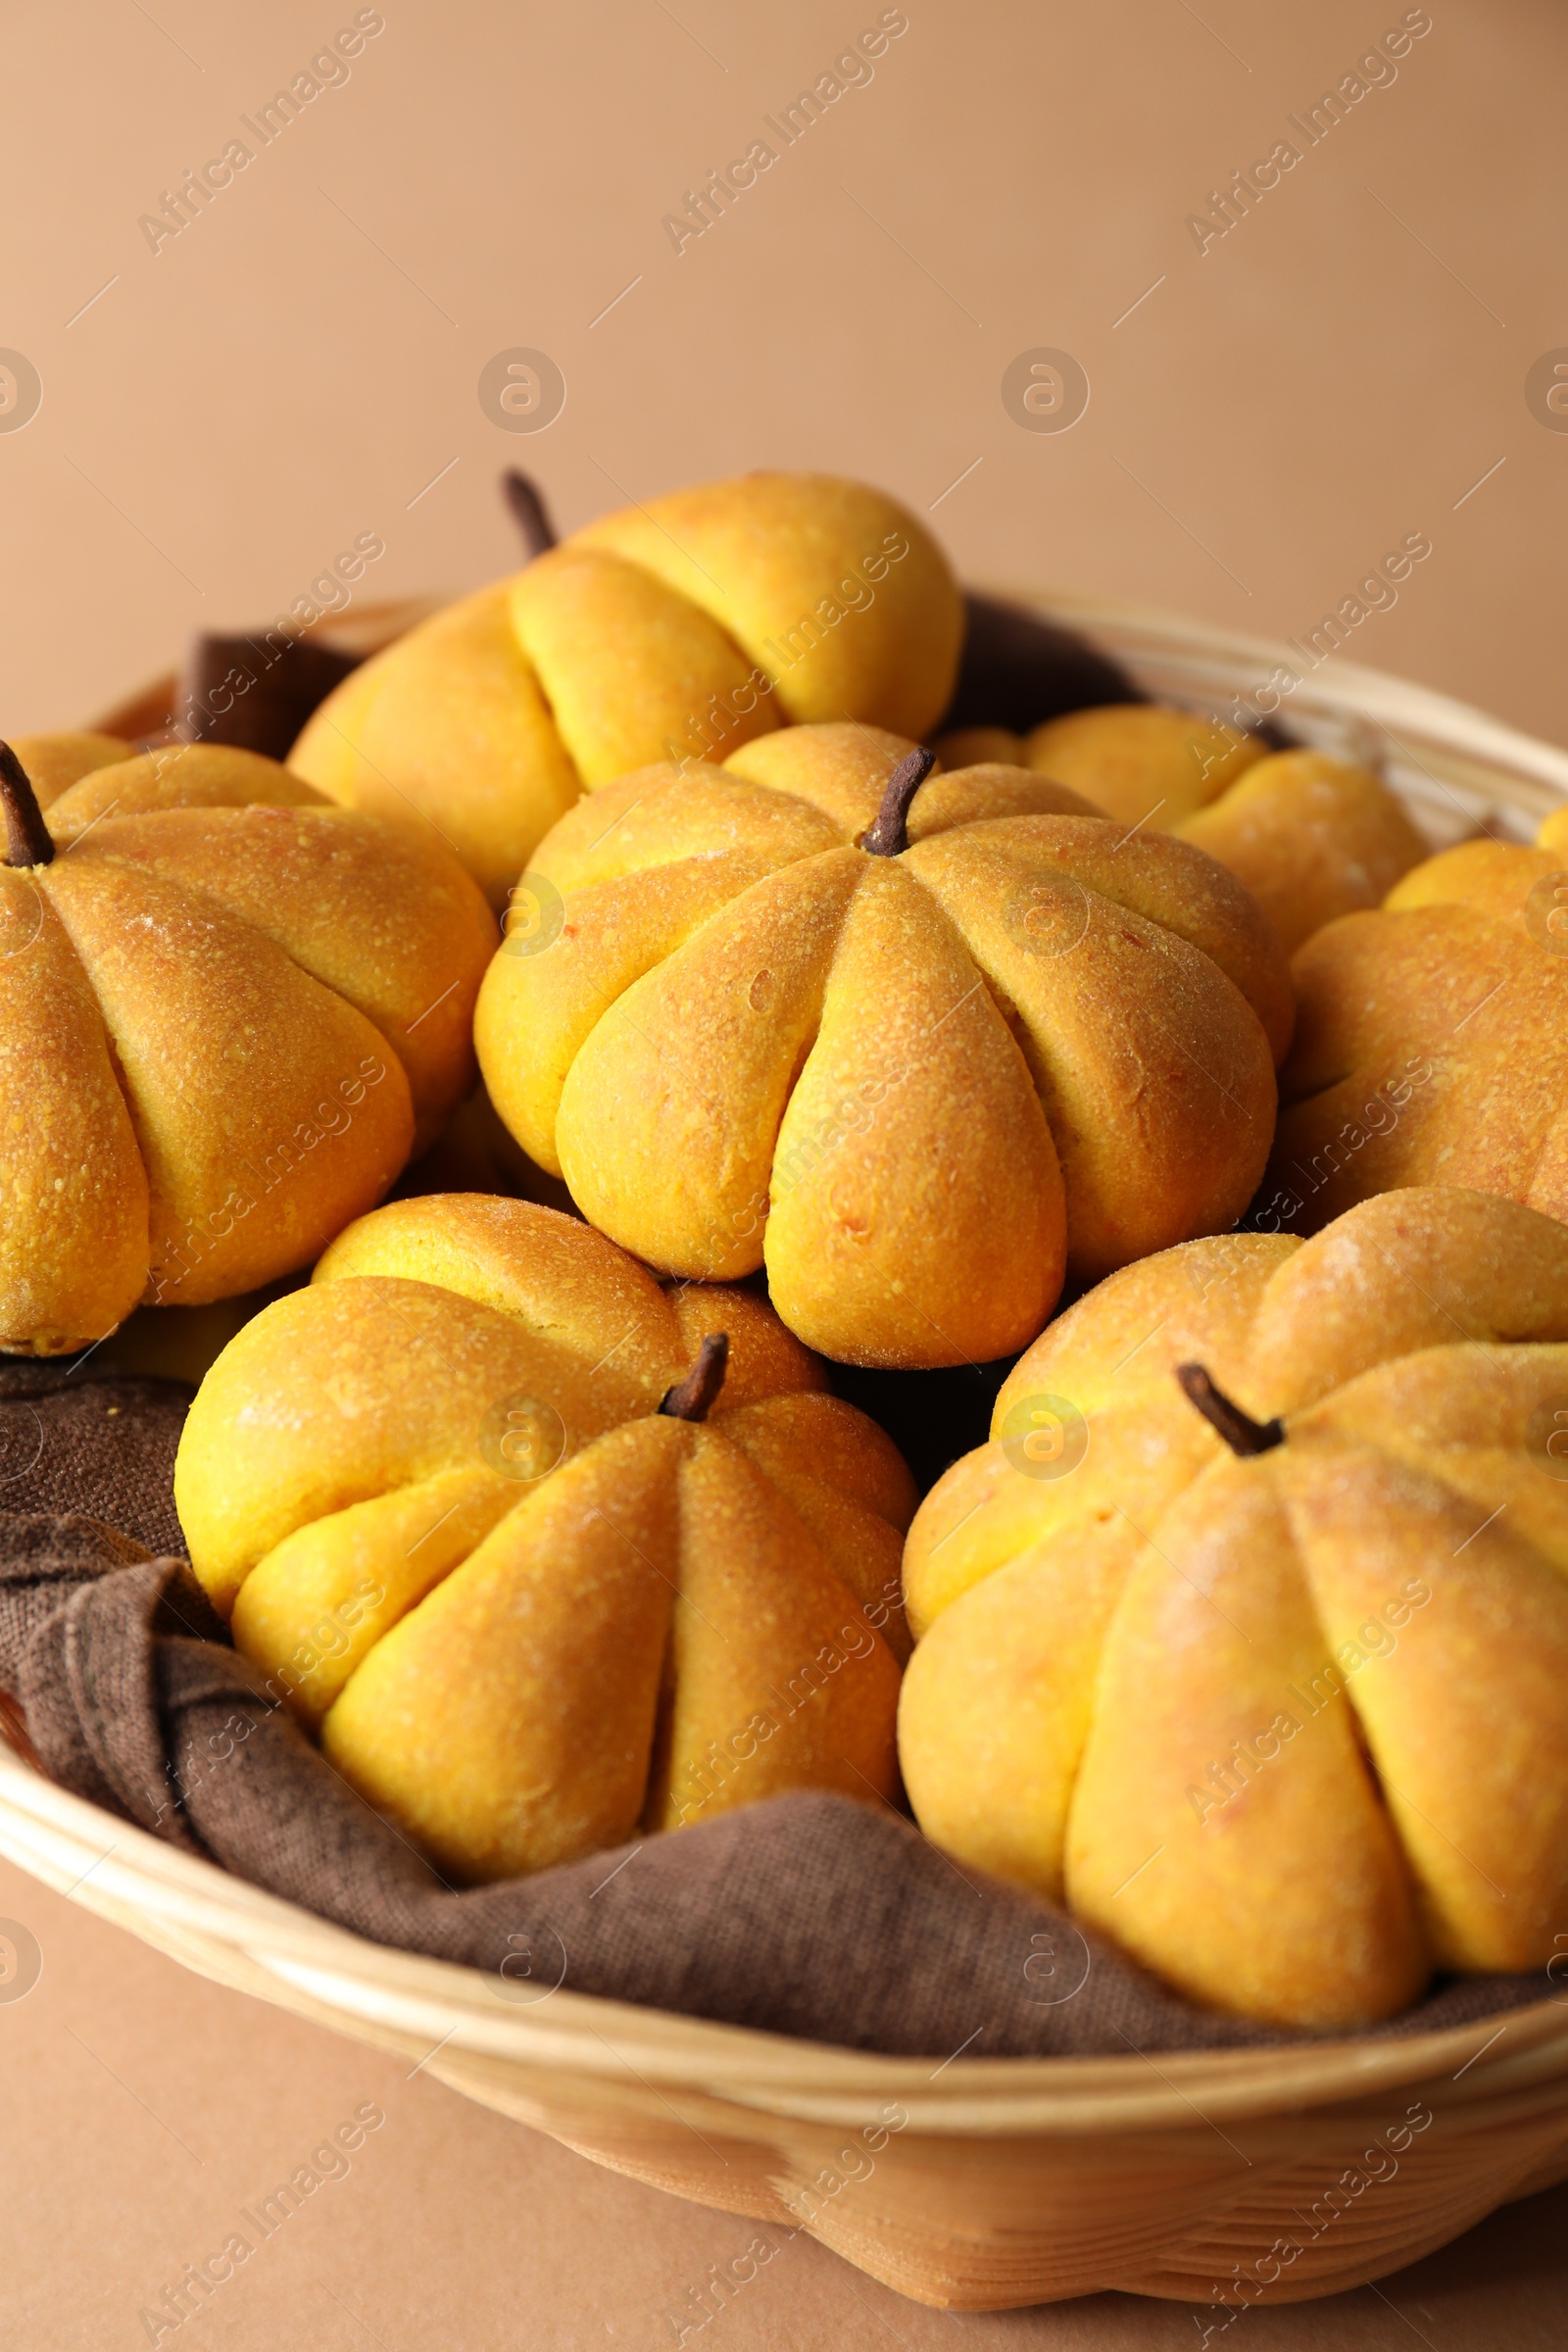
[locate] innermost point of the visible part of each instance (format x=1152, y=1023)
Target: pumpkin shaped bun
x=919, y=1046
x=1432, y=1042
x=1249, y=1629
x=1311, y=836
x=678, y=629
x=228, y=1013
x=548, y=1553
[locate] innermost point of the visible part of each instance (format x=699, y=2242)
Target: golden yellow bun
x=1431, y=1046
x=228, y=1013
x=528, y=1612
x=1289, y=1726
x=918, y=1087
x=1142, y=763
x=60, y=759
x=1312, y=837
x=672, y=631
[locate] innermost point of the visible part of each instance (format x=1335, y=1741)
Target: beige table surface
x=300, y=365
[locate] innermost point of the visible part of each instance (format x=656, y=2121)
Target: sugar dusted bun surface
x=1272, y=1696
x=678, y=629
x=228, y=1013
x=920, y=1069
x=543, y=1552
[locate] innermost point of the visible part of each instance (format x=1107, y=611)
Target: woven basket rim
x=1337, y=686
x=128, y=1873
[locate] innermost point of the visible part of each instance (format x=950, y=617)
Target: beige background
x=302, y=361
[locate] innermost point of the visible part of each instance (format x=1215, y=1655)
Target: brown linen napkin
x=105, y=1447
x=809, y=1915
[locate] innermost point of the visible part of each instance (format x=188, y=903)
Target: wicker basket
x=973, y=2184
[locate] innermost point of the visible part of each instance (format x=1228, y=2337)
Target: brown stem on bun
x=692, y=1399
x=529, y=513
x=1240, y=1432
x=888, y=835
x=27, y=840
